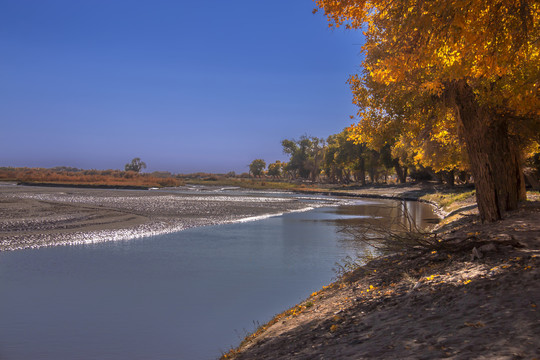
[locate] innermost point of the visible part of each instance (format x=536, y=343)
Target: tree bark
x=362, y=171
x=448, y=177
x=347, y=176
x=401, y=171
x=495, y=161
x=463, y=176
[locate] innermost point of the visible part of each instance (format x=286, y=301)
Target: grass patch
x=450, y=201
x=533, y=195
x=262, y=184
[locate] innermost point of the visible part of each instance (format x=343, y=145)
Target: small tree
x=135, y=165
x=257, y=166
x=274, y=169
x=306, y=156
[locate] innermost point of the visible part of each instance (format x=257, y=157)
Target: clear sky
x=186, y=86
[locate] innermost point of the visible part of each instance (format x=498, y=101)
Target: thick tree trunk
x=495, y=164
x=401, y=171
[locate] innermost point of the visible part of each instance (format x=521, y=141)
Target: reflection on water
x=363, y=224
x=187, y=295
x=421, y=214
x=381, y=213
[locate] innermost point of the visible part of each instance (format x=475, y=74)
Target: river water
x=186, y=295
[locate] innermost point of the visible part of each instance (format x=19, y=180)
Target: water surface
x=186, y=295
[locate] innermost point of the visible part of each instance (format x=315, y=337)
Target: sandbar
x=32, y=217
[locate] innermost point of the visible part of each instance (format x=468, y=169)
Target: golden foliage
x=415, y=51
x=430, y=43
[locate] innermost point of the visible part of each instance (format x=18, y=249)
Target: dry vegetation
x=100, y=178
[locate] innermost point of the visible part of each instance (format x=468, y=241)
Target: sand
x=32, y=217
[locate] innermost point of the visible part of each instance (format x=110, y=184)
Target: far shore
x=83, y=186
x=408, y=192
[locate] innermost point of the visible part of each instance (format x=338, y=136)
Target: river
x=185, y=295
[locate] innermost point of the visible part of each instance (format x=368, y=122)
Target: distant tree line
x=340, y=159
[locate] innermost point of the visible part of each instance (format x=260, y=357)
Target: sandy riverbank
x=33, y=217
x=475, y=297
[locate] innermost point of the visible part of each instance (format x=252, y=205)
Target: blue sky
x=186, y=86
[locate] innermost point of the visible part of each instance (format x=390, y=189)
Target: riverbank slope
x=475, y=296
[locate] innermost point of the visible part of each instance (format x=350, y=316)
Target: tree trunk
x=448, y=177
x=362, y=171
x=347, y=176
x=463, y=176
x=495, y=164
x=405, y=173
x=371, y=172
x=401, y=171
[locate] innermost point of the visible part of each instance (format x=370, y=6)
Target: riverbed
x=33, y=217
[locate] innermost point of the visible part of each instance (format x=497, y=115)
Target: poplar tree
x=451, y=69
